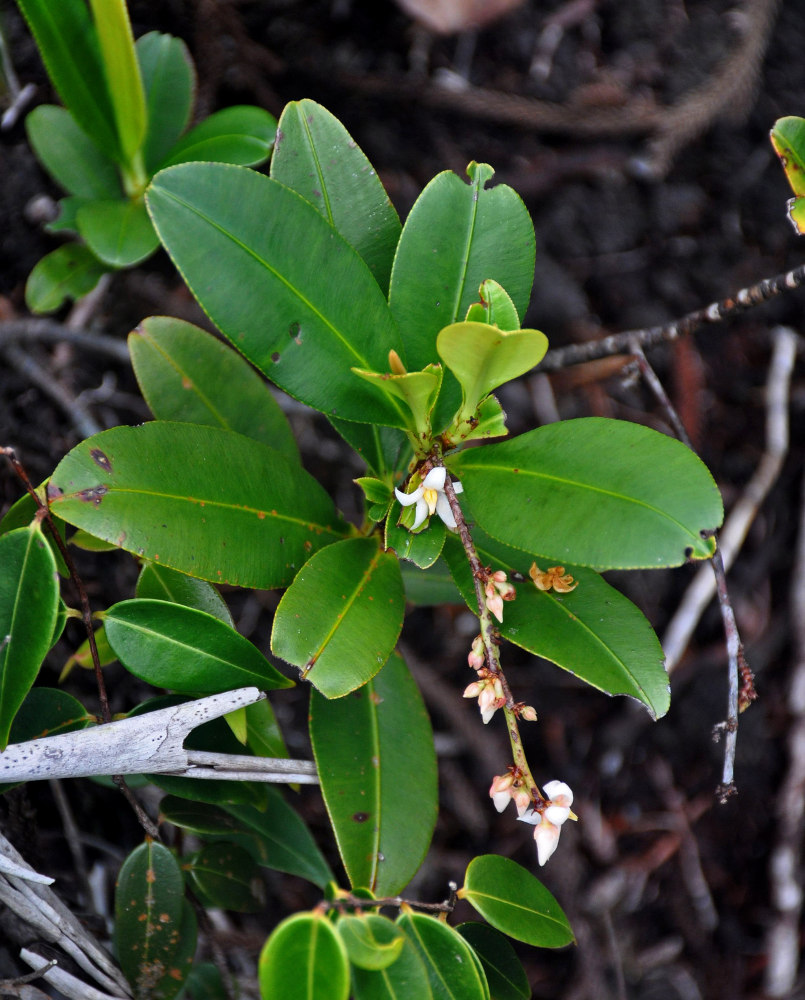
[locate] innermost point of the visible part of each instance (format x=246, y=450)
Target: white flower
x=548, y=823
x=430, y=498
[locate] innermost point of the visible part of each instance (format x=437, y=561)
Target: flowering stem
x=489, y=635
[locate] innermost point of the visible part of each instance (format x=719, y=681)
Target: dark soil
x=668, y=891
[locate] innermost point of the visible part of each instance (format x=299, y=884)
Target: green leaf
x=482, y=357
x=449, y=961
x=122, y=73
x=594, y=492
x=240, y=135
x=357, y=591
x=188, y=651
x=204, y=983
x=69, y=272
x=82, y=657
x=504, y=970
x=788, y=140
x=118, y=232
x=456, y=236
x=420, y=547
x=227, y=876
x=405, y=979
x=149, y=920
x=198, y=499
x=22, y=512
x=417, y=390
x=263, y=734
x=69, y=155
x=431, y=586
x=372, y=941
x=202, y=818
x=170, y=83
x=317, y=158
x=307, y=310
x=158, y=583
x=380, y=790
x=29, y=603
x=187, y=374
x=495, y=307
x=384, y=449
x=304, y=959
x=594, y=631
x=68, y=43
x=512, y=900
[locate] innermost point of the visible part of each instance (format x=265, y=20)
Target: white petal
x=406, y=499
x=435, y=479
x=457, y=487
x=501, y=800
x=547, y=837
x=421, y=513
x=556, y=789
x=556, y=814
x=530, y=816
x=444, y=511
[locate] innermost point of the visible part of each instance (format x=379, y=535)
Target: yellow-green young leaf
x=122, y=73
x=512, y=900
x=788, y=140
x=226, y=875
x=189, y=375
x=69, y=46
x=82, y=657
x=482, y=357
x=495, y=307
x=595, y=492
x=201, y=500
x=29, y=603
x=150, y=922
x=418, y=390
x=185, y=650
x=304, y=959
x=504, y=971
x=452, y=967
x=380, y=790
x=317, y=158
x=357, y=592
x=307, y=308
x=372, y=941
x=593, y=631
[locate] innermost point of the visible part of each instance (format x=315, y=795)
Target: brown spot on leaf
x=101, y=458
x=94, y=494
x=360, y=817
x=54, y=492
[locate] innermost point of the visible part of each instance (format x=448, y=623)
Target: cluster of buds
x=488, y=689
x=477, y=654
x=509, y=787
x=554, y=578
x=498, y=590
x=548, y=819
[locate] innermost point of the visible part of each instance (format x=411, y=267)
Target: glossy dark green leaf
x=279, y=839
x=241, y=135
x=594, y=631
x=307, y=310
x=148, y=920
x=372, y=941
x=22, y=512
x=384, y=449
x=118, y=232
x=68, y=154
x=170, y=82
x=226, y=875
x=380, y=790
x=69, y=272
x=357, y=591
x=405, y=979
x=204, y=983
x=68, y=43
x=198, y=499
x=512, y=900
x=187, y=374
x=188, y=651
x=456, y=236
x=158, y=583
x=503, y=969
x=595, y=492
x=420, y=547
x=317, y=158
x=431, y=586
x=304, y=959
x=199, y=817
x=29, y=602
x=452, y=969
